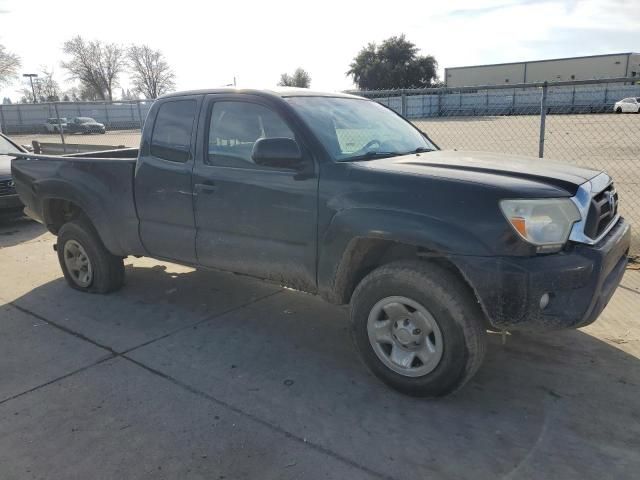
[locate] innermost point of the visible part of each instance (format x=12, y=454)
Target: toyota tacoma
x=339, y=196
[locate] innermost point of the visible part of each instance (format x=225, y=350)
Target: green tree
x=300, y=79
x=395, y=63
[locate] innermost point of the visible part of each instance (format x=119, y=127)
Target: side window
x=234, y=128
x=171, y=137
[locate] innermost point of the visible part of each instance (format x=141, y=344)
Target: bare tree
x=47, y=88
x=9, y=64
x=95, y=64
x=300, y=78
x=151, y=75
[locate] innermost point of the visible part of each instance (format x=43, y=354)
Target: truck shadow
x=563, y=400
x=16, y=229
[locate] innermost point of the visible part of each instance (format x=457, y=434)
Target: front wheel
x=418, y=328
x=618, y=110
x=86, y=263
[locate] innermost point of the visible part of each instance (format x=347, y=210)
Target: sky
x=208, y=42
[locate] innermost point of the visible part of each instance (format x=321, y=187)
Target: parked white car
x=53, y=126
x=627, y=105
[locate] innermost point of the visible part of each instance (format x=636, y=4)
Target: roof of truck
x=273, y=91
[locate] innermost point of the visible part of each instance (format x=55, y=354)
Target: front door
x=253, y=219
x=163, y=186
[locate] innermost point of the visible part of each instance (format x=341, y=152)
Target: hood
x=483, y=167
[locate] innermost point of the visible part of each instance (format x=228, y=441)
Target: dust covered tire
x=86, y=263
x=436, y=341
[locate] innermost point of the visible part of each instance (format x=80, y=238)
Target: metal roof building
x=614, y=65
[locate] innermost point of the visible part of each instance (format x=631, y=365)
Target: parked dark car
x=338, y=195
x=85, y=125
x=9, y=201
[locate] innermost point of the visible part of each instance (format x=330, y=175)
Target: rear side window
x=171, y=137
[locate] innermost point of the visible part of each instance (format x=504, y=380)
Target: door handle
x=205, y=187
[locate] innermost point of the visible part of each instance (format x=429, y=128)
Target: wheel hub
x=405, y=336
x=78, y=264
x=407, y=333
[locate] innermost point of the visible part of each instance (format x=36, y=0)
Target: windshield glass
x=353, y=129
x=85, y=120
x=7, y=147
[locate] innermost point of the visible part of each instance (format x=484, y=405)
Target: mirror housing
x=277, y=153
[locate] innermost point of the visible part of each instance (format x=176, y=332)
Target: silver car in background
x=627, y=105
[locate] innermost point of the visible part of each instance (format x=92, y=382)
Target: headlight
x=545, y=223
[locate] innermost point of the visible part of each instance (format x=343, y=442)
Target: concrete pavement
x=196, y=374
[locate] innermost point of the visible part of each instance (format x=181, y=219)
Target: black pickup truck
x=337, y=195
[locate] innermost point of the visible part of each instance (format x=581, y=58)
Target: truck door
x=163, y=181
x=250, y=218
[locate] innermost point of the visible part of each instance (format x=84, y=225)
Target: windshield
x=353, y=129
x=7, y=147
x=85, y=120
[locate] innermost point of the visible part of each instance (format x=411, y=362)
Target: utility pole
x=33, y=90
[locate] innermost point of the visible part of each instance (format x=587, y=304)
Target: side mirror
x=277, y=153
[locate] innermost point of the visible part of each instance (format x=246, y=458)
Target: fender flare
x=336, y=255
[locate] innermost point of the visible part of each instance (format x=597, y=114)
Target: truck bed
x=100, y=183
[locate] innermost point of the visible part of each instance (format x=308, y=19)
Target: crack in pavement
x=629, y=289
x=112, y=354
x=57, y=379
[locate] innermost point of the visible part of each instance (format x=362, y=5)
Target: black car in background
x=9, y=200
x=85, y=125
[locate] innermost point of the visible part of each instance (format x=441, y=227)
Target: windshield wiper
x=371, y=156
x=420, y=150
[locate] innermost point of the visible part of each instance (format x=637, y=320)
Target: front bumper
x=10, y=202
x=580, y=282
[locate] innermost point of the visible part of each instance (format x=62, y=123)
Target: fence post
x=543, y=119
x=3, y=127
x=140, y=116
x=106, y=114
x=19, y=117
x=64, y=145
x=403, y=104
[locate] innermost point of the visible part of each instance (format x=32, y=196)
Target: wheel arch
x=365, y=254
x=60, y=209
x=360, y=240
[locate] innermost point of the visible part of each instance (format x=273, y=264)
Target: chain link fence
x=578, y=122
x=573, y=122
x=73, y=127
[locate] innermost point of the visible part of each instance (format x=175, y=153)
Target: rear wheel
x=619, y=110
x=418, y=328
x=86, y=263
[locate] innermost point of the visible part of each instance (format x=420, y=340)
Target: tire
x=457, y=335
x=105, y=272
x=619, y=110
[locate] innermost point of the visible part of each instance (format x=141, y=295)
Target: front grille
x=602, y=211
x=7, y=187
